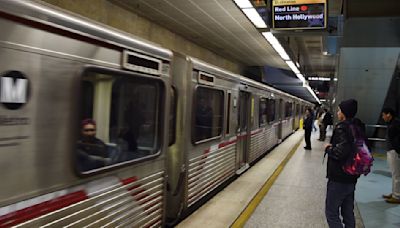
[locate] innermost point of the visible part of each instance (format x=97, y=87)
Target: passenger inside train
x=134, y=120
x=126, y=112
x=203, y=120
x=91, y=151
x=209, y=113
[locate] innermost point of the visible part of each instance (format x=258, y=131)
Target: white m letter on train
x=13, y=92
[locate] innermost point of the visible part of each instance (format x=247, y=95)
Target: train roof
x=47, y=15
x=201, y=65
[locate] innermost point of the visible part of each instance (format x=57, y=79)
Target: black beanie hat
x=349, y=108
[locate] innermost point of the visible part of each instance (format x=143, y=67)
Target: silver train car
x=170, y=129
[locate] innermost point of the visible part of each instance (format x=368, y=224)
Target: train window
x=271, y=110
x=87, y=99
x=172, y=117
x=285, y=111
x=228, y=115
x=124, y=126
x=208, y=117
x=262, y=111
x=288, y=109
x=298, y=112
x=291, y=111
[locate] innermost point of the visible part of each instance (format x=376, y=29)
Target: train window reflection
x=123, y=121
x=228, y=115
x=288, y=109
x=270, y=110
x=263, y=112
x=87, y=98
x=172, y=117
x=208, y=113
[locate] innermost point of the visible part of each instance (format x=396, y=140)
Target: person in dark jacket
x=326, y=120
x=308, y=125
x=393, y=150
x=341, y=186
x=91, y=151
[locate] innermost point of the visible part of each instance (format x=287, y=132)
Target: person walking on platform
x=314, y=114
x=341, y=186
x=308, y=125
x=326, y=121
x=322, y=127
x=393, y=157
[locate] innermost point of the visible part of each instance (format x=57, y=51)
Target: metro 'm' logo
x=14, y=89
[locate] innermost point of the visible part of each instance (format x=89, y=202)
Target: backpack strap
x=323, y=159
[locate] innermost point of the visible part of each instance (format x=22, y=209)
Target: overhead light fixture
x=301, y=77
x=254, y=17
x=276, y=45
x=335, y=79
x=313, y=94
x=243, y=4
x=293, y=67
x=325, y=53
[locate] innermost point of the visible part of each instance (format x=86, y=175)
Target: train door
x=294, y=116
x=243, y=131
x=280, y=119
x=298, y=116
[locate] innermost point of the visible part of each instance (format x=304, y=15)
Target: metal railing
x=376, y=135
x=374, y=139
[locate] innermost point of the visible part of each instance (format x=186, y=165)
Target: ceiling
x=220, y=26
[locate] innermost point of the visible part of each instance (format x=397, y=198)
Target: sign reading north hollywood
x=299, y=14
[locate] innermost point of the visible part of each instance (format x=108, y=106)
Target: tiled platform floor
x=297, y=197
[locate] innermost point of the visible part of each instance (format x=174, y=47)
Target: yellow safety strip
x=248, y=211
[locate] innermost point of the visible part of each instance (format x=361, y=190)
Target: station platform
x=287, y=189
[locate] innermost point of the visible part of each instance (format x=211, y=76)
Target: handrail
x=377, y=139
x=376, y=126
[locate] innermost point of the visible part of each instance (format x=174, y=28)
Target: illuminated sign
x=299, y=14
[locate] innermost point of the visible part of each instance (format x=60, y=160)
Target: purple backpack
x=361, y=160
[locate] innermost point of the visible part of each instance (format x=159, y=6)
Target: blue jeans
x=340, y=196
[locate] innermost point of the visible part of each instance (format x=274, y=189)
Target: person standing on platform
x=314, y=114
x=328, y=119
x=393, y=157
x=341, y=186
x=308, y=125
x=322, y=127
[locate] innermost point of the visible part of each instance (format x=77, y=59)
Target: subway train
x=172, y=128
